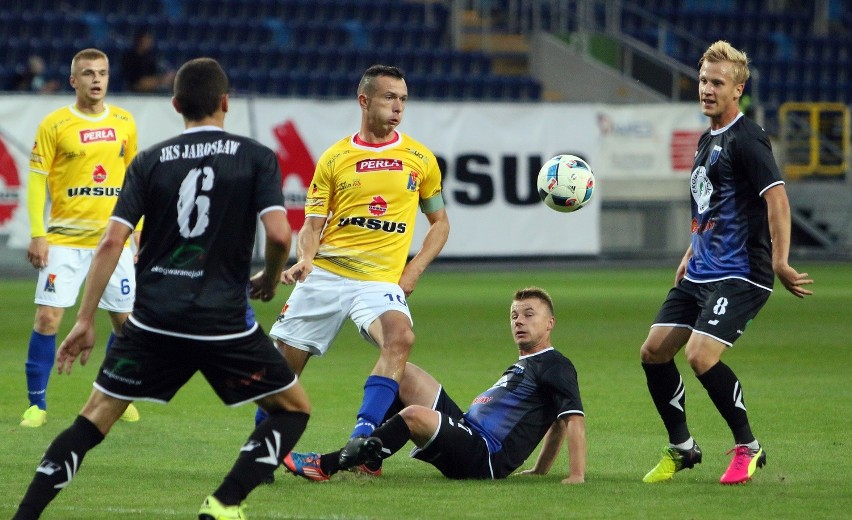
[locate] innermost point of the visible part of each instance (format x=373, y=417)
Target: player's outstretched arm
x=551, y=444
x=36, y=200
x=433, y=243
x=81, y=339
x=37, y=252
x=778, y=211
x=681, y=268
x=79, y=342
x=576, y=450
x=309, y=241
x=278, y=236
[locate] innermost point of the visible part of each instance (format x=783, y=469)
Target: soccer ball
x=566, y=183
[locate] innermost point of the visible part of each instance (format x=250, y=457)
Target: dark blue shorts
x=150, y=366
x=457, y=451
x=719, y=309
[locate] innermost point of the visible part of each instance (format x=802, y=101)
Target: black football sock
x=727, y=394
x=58, y=466
x=261, y=455
x=394, y=409
x=669, y=395
x=330, y=462
x=394, y=433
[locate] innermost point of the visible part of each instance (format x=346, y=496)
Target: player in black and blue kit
x=537, y=397
x=740, y=242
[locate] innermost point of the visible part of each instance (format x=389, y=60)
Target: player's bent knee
x=417, y=417
x=700, y=360
x=294, y=399
x=47, y=320
x=649, y=353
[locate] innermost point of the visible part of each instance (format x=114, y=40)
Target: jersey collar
x=357, y=141
x=90, y=117
x=729, y=125
x=536, y=353
x=206, y=128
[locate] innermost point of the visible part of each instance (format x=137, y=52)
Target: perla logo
x=375, y=165
x=373, y=223
x=701, y=188
x=97, y=134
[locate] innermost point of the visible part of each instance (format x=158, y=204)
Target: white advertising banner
x=489, y=154
x=648, y=141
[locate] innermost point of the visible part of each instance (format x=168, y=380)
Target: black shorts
x=457, y=451
x=720, y=309
x=144, y=365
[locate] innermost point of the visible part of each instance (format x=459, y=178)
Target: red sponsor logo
x=682, y=149
x=375, y=165
x=10, y=184
x=710, y=224
x=99, y=175
x=377, y=206
x=97, y=134
x=297, y=169
x=482, y=399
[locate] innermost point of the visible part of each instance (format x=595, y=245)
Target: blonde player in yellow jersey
x=360, y=212
x=78, y=161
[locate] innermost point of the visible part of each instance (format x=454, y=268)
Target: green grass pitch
x=794, y=362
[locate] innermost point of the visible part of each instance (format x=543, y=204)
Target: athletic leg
x=64, y=455
x=392, y=332
x=41, y=353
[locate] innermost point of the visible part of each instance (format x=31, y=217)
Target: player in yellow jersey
x=78, y=161
x=361, y=207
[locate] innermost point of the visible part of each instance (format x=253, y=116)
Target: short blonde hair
x=724, y=51
x=88, y=54
x=536, y=293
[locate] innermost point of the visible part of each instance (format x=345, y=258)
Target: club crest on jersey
x=100, y=174
x=97, y=134
x=377, y=206
x=412, y=181
x=50, y=283
x=701, y=189
x=714, y=155
x=377, y=165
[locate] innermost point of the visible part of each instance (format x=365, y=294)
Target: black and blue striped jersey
x=733, y=168
x=515, y=413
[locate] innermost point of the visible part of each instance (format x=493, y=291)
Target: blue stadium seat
x=333, y=39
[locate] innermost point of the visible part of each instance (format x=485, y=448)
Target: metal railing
x=815, y=138
x=651, y=59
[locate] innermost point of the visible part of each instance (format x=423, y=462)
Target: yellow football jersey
x=84, y=158
x=370, y=194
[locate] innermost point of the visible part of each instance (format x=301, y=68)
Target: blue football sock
x=250, y=317
x=379, y=395
x=259, y=416
x=40, y=355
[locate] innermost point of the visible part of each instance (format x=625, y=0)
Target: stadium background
x=634, y=65
x=536, y=64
